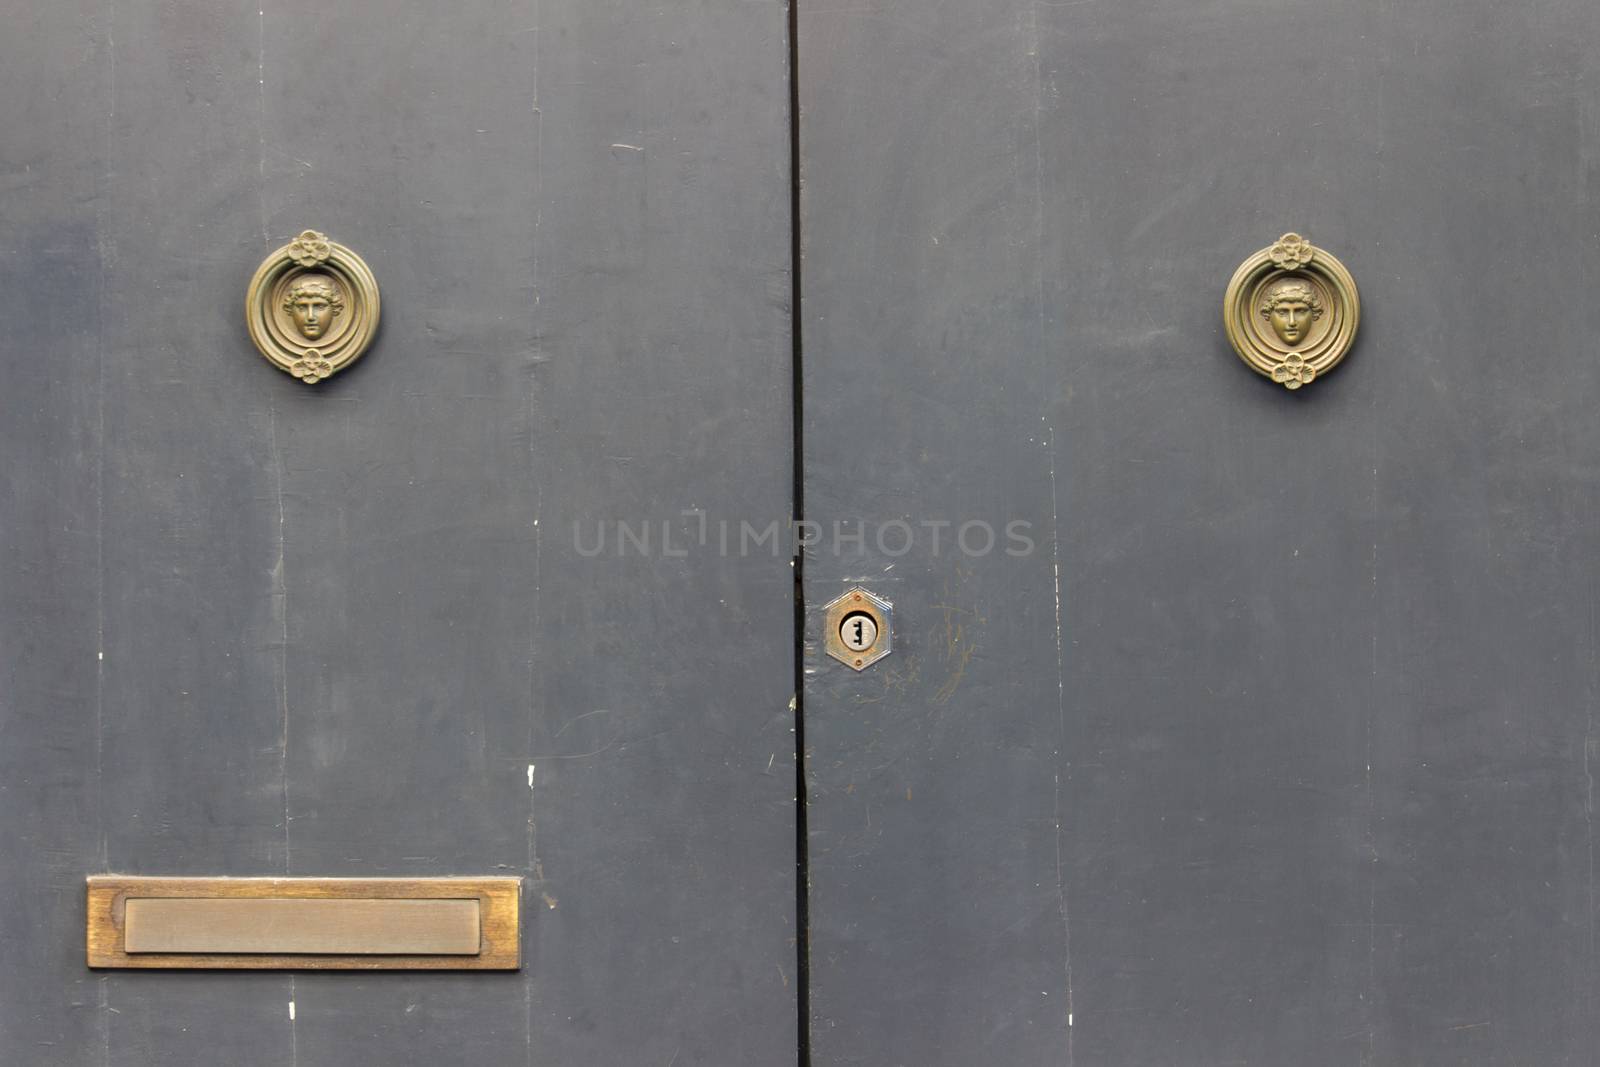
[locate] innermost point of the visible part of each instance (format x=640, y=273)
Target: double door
x=1223, y=724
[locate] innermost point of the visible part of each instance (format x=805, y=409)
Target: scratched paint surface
x=1287, y=763
x=250, y=627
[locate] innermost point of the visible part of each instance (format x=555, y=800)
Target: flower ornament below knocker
x=314, y=368
x=1291, y=311
x=312, y=307
x=1293, y=372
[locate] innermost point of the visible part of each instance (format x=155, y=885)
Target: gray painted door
x=251, y=627
x=1264, y=738
x=1277, y=747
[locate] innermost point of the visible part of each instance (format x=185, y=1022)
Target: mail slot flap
x=371, y=926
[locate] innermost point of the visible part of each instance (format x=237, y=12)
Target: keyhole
x=859, y=631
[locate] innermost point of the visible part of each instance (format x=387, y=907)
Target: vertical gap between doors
x=797, y=391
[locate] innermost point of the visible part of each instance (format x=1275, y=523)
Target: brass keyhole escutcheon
x=858, y=628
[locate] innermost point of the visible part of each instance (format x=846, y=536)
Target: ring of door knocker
x=1291, y=311
x=312, y=307
x=858, y=628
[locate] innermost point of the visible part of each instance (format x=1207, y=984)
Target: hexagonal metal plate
x=853, y=602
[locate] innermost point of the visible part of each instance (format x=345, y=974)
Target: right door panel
x=1265, y=735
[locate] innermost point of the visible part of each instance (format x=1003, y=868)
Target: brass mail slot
x=352, y=926
x=320, y=923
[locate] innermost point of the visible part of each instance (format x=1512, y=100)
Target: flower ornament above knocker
x=310, y=248
x=312, y=308
x=1291, y=252
x=1291, y=311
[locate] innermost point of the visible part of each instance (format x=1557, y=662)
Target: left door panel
x=254, y=627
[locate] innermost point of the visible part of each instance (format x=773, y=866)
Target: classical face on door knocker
x=312, y=307
x=312, y=302
x=1291, y=306
x=1291, y=312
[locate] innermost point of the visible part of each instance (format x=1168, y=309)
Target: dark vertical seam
x=797, y=390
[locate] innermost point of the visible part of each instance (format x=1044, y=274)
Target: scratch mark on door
x=280, y=599
x=261, y=120
x=107, y=255
x=1062, y=904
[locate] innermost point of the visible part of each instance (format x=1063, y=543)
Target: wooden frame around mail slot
x=499, y=900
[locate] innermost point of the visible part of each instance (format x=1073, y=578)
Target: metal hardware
x=858, y=628
x=859, y=631
x=312, y=307
x=351, y=927
x=308, y=923
x=1291, y=311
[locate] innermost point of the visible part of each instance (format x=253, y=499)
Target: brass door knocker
x=312, y=307
x=1291, y=311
